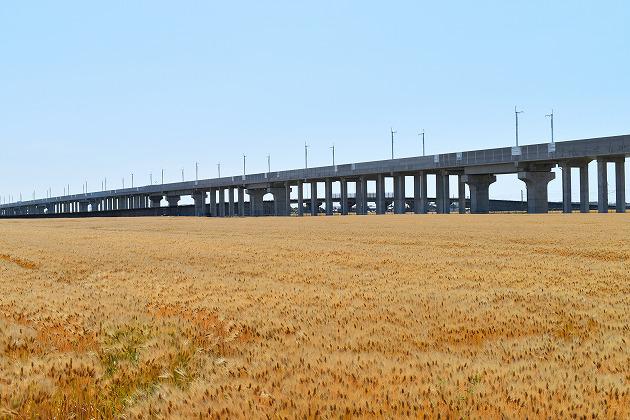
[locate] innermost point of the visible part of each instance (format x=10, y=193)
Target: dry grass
x=463, y=316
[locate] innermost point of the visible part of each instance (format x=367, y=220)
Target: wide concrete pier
x=478, y=169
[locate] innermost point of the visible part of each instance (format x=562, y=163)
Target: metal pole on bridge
x=550, y=116
x=516, y=116
x=393, y=132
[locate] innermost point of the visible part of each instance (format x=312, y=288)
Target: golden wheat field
x=381, y=316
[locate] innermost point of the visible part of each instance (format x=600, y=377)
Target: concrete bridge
x=477, y=168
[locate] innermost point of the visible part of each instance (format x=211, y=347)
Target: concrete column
x=280, y=204
x=399, y=194
x=314, y=206
x=173, y=200
x=83, y=206
x=479, y=186
x=222, y=202
x=380, y=194
x=241, y=201
x=256, y=201
x=442, y=191
x=213, y=202
x=231, y=201
x=122, y=203
x=584, y=198
x=537, y=195
x=602, y=186
x=155, y=201
x=300, y=193
x=461, y=194
x=328, y=193
x=344, y=197
x=566, y=187
x=199, y=198
x=361, y=196
x=620, y=184
x=420, y=193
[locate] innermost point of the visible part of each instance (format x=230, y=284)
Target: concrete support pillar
x=199, y=197
x=461, y=194
x=300, y=193
x=399, y=194
x=328, y=194
x=173, y=200
x=280, y=204
x=479, y=186
x=420, y=193
x=602, y=186
x=620, y=185
x=442, y=191
x=537, y=195
x=344, y=197
x=155, y=200
x=231, y=201
x=222, y=202
x=380, y=194
x=122, y=203
x=213, y=202
x=256, y=204
x=566, y=187
x=584, y=198
x=83, y=206
x=314, y=205
x=241, y=201
x=361, y=196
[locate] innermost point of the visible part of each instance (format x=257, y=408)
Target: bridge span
x=477, y=169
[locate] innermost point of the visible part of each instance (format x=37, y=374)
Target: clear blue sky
x=91, y=90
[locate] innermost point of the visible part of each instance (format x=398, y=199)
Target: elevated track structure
x=477, y=168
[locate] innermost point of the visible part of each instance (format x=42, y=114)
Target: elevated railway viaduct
x=477, y=169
